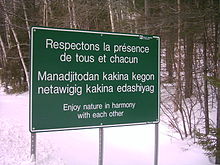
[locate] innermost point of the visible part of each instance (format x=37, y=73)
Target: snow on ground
x=131, y=145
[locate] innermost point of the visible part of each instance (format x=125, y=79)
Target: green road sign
x=86, y=79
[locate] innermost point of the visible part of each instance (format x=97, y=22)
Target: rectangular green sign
x=86, y=79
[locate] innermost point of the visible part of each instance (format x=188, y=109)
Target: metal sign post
x=156, y=147
x=33, y=147
x=101, y=145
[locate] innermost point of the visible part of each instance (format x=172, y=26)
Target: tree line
x=190, y=54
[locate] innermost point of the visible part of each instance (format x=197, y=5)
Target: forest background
x=190, y=51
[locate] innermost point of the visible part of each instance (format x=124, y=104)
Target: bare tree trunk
x=14, y=5
x=45, y=13
x=216, y=19
x=206, y=106
x=26, y=18
x=178, y=95
x=135, y=20
x=188, y=62
x=217, y=56
x=7, y=28
x=111, y=15
x=178, y=64
x=218, y=111
x=72, y=14
x=49, y=9
x=170, y=54
x=146, y=14
x=7, y=31
x=4, y=57
x=119, y=12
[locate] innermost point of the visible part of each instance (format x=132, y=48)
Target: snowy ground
x=132, y=145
